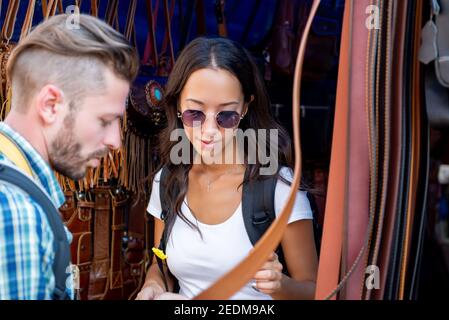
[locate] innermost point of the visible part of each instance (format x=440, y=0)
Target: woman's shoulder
x=157, y=178
x=286, y=173
x=301, y=207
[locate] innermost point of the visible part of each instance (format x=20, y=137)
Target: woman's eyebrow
x=221, y=104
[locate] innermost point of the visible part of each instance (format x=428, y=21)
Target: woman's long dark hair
x=228, y=55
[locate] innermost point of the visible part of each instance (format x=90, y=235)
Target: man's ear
x=48, y=103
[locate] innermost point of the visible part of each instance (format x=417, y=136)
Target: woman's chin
x=209, y=156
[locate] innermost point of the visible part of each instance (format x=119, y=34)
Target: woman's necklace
x=211, y=181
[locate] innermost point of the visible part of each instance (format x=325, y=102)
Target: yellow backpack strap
x=10, y=149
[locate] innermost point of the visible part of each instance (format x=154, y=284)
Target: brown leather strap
x=51, y=8
x=330, y=255
x=231, y=282
x=221, y=20
x=94, y=8
x=385, y=77
x=150, y=55
x=27, y=23
x=99, y=277
x=396, y=141
x=10, y=21
x=416, y=143
x=168, y=40
x=44, y=7
x=112, y=11
x=119, y=202
x=129, y=29
x=358, y=175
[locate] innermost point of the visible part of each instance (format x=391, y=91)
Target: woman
x=214, y=95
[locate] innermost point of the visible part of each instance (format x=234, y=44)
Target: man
x=69, y=89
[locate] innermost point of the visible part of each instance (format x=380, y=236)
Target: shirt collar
x=40, y=167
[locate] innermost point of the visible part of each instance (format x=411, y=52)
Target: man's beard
x=64, y=153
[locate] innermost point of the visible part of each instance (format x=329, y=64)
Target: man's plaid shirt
x=26, y=238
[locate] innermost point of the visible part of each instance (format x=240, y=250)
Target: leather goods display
x=373, y=226
x=107, y=220
x=145, y=115
x=6, y=46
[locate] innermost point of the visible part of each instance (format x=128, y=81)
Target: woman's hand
x=268, y=278
x=150, y=291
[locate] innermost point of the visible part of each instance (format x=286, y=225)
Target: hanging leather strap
x=396, y=142
x=150, y=55
x=221, y=20
x=10, y=21
x=168, y=40
x=331, y=243
x=231, y=282
x=383, y=121
x=119, y=202
x=356, y=221
x=129, y=29
x=27, y=23
x=99, y=276
x=51, y=7
x=94, y=8
x=112, y=11
x=414, y=167
x=44, y=7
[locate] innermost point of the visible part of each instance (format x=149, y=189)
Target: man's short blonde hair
x=74, y=59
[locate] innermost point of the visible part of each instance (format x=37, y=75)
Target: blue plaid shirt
x=26, y=238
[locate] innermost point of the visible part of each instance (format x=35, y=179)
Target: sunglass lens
x=193, y=118
x=228, y=119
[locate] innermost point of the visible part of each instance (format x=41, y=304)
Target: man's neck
x=28, y=129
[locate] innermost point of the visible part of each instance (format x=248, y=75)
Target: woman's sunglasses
x=196, y=118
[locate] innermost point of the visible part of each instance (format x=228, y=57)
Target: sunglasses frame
x=215, y=116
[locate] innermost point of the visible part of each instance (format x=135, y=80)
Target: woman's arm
x=300, y=255
x=154, y=283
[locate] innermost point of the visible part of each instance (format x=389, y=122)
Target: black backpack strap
x=11, y=175
x=259, y=212
x=258, y=207
x=164, y=207
x=162, y=185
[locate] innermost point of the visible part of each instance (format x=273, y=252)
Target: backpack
x=257, y=209
x=10, y=175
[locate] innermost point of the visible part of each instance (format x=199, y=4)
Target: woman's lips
x=207, y=144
